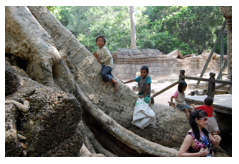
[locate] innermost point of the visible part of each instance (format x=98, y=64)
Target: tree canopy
x=191, y=29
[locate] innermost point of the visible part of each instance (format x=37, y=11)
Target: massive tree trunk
x=49, y=51
x=133, y=31
x=44, y=127
x=227, y=13
x=27, y=40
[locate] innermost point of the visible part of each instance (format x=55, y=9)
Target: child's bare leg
x=116, y=84
x=187, y=113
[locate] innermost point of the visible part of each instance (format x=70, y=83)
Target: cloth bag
x=143, y=114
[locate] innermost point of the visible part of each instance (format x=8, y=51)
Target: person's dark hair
x=145, y=68
x=100, y=36
x=197, y=114
x=181, y=85
x=208, y=101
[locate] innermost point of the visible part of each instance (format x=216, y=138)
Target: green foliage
x=191, y=29
x=51, y=8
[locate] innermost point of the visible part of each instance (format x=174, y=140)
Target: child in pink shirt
x=179, y=96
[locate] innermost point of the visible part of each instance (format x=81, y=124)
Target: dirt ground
x=160, y=84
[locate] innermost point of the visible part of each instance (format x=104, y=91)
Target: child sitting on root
x=144, y=83
x=104, y=57
x=179, y=96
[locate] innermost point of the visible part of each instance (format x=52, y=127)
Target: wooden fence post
x=211, y=85
x=230, y=91
x=182, y=72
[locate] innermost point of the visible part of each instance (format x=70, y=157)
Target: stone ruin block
x=131, y=53
x=115, y=57
x=144, y=52
x=158, y=62
x=138, y=52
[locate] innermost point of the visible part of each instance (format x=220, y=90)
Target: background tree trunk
x=133, y=31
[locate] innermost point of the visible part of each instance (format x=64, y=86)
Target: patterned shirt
x=200, y=144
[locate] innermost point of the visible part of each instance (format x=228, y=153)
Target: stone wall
x=128, y=61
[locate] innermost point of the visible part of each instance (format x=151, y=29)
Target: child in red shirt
x=212, y=125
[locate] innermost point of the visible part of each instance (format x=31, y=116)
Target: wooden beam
x=209, y=80
x=163, y=90
x=211, y=53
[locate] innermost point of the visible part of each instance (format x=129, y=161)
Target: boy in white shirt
x=104, y=57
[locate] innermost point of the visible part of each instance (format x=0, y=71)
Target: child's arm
x=130, y=81
x=175, y=95
x=133, y=80
x=96, y=55
x=108, y=55
x=171, y=103
x=145, y=92
x=194, y=106
x=98, y=60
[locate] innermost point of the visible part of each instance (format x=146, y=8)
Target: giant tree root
x=20, y=107
x=139, y=144
x=98, y=148
x=86, y=153
x=27, y=39
x=86, y=141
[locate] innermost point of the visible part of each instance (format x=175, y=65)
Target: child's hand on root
x=98, y=60
x=96, y=55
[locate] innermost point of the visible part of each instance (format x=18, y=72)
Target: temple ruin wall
x=129, y=61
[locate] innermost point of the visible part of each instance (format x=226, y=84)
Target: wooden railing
x=211, y=81
x=211, y=84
